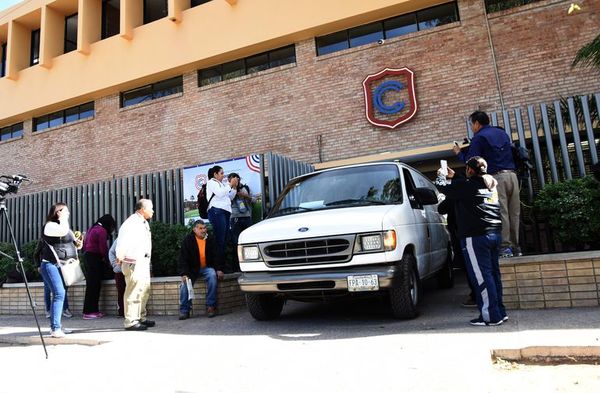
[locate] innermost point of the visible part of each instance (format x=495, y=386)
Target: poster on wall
x=195, y=176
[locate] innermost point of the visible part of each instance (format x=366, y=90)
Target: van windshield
x=356, y=186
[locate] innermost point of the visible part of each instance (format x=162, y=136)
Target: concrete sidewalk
x=343, y=347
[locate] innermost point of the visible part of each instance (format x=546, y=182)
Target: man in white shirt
x=133, y=253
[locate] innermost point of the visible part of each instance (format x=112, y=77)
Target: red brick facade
x=285, y=110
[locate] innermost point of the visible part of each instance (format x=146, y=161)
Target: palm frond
x=589, y=55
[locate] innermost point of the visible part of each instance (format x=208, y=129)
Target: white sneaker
x=58, y=333
x=67, y=314
x=67, y=331
x=48, y=314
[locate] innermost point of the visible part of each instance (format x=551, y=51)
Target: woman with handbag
x=60, y=244
x=95, y=248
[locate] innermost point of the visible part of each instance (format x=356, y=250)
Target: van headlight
x=373, y=242
x=249, y=253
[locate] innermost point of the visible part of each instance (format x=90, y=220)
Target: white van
x=370, y=228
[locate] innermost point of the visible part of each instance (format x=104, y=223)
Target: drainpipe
x=494, y=63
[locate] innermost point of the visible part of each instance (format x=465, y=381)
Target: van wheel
x=265, y=306
x=405, y=292
x=445, y=278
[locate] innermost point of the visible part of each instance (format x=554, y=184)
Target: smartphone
x=456, y=143
x=444, y=167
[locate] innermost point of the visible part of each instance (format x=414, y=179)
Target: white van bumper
x=313, y=280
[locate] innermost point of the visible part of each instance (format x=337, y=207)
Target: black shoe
x=184, y=315
x=137, y=327
x=148, y=323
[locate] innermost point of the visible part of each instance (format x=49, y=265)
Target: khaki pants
x=510, y=209
x=137, y=292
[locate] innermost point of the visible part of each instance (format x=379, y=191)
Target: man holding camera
x=494, y=145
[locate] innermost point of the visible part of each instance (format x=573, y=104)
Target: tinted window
x=110, y=18
x=365, y=34
x=65, y=116
x=436, y=16
x=17, y=130
x=86, y=110
x=210, y=75
x=136, y=96
x=279, y=57
x=153, y=91
x=3, y=61
x=35, y=47
x=403, y=24
x=70, y=33
x=71, y=114
x=154, y=10
x=257, y=63
x=233, y=69
x=55, y=119
x=198, y=2
x=167, y=87
x=332, y=43
x=40, y=123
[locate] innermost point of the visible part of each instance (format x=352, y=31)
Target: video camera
x=10, y=184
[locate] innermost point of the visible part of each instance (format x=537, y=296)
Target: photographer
x=479, y=230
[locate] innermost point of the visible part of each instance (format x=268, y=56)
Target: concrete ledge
x=550, y=355
x=164, y=297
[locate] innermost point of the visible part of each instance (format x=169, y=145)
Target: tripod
x=19, y=263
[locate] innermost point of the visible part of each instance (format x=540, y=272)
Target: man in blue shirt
x=493, y=144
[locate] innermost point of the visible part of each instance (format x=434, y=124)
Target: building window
x=155, y=9
x=65, y=116
x=388, y=28
x=198, y=2
x=11, y=132
x=152, y=91
x=34, y=57
x=111, y=18
x=248, y=65
x=70, y=33
x=3, y=61
x=499, y=5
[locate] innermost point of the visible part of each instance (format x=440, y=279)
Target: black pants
x=94, y=271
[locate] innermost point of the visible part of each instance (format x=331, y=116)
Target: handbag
x=70, y=269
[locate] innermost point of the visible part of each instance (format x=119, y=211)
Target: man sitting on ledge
x=199, y=256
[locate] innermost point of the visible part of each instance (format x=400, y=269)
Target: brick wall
x=164, y=298
x=284, y=110
x=553, y=280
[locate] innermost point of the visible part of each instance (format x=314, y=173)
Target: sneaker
x=48, y=314
x=93, y=315
x=469, y=302
x=480, y=322
x=211, y=312
x=67, y=331
x=506, y=253
x=505, y=318
x=184, y=315
x=518, y=254
x=67, y=314
x=58, y=333
x=148, y=323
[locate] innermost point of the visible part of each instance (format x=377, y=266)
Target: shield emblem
x=390, y=97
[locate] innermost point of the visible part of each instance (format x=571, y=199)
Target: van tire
x=445, y=278
x=264, y=307
x=405, y=292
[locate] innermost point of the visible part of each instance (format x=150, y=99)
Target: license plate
x=367, y=282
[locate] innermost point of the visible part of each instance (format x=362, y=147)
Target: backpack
x=521, y=158
x=203, y=202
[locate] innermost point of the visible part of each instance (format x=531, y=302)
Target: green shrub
x=8, y=265
x=572, y=208
x=166, y=243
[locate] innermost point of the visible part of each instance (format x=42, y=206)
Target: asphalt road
x=336, y=347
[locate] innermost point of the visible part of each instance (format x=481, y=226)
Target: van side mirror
x=426, y=196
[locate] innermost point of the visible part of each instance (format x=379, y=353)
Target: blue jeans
x=481, y=260
x=47, y=298
x=219, y=220
x=210, y=277
x=51, y=276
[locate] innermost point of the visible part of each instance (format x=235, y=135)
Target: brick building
x=95, y=89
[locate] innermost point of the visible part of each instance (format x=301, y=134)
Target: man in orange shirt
x=198, y=257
